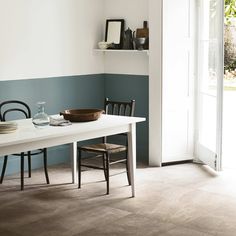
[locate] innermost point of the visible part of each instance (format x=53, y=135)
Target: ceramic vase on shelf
x=41, y=119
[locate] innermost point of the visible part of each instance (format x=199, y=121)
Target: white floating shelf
x=121, y=50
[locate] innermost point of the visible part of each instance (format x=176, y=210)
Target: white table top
x=27, y=133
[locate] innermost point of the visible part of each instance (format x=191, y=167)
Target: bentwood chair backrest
x=11, y=109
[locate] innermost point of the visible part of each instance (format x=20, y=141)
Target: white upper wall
x=56, y=38
x=50, y=38
x=134, y=12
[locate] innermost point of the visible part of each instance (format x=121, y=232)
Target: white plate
x=8, y=128
x=8, y=124
x=7, y=131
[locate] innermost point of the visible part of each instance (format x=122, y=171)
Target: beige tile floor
x=185, y=199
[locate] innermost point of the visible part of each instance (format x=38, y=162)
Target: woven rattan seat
x=105, y=147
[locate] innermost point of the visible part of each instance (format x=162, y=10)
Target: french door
x=210, y=82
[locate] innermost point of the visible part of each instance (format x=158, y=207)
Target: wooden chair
x=18, y=109
x=105, y=150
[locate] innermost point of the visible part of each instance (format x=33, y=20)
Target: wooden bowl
x=82, y=115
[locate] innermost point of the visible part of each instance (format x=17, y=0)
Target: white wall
x=134, y=12
x=50, y=38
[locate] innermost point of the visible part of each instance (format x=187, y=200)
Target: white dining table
x=27, y=138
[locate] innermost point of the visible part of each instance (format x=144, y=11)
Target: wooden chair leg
x=127, y=164
x=79, y=168
x=22, y=170
x=29, y=163
x=107, y=170
x=3, y=168
x=104, y=166
x=45, y=165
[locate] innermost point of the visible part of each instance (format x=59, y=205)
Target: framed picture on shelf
x=114, y=33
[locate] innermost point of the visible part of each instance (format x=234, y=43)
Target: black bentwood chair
x=19, y=109
x=104, y=150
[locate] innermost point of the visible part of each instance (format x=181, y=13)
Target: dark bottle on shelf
x=128, y=39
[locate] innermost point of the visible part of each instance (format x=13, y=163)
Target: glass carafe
x=41, y=119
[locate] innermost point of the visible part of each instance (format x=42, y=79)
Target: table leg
x=132, y=155
x=74, y=162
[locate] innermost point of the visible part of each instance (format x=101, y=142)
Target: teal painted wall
x=77, y=92
x=59, y=93
x=127, y=87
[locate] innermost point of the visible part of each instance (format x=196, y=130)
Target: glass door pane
x=210, y=82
